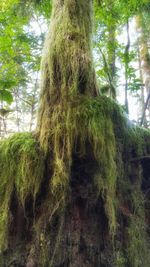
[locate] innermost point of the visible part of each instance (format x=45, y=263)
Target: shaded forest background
x=121, y=49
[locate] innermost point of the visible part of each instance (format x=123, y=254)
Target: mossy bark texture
x=76, y=193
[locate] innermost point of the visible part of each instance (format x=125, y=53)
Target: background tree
x=144, y=59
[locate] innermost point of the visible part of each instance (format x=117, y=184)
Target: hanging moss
x=134, y=249
x=138, y=249
x=138, y=245
x=21, y=171
x=67, y=75
x=21, y=159
x=63, y=130
x=67, y=64
x=114, y=143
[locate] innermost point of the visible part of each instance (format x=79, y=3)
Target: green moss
x=138, y=247
x=65, y=115
x=120, y=260
x=69, y=122
x=81, y=124
x=67, y=64
x=132, y=148
x=84, y=120
x=137, y=250
x=21, y=171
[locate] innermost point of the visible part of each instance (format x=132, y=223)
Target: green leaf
x=7, y=84
x=6, y=96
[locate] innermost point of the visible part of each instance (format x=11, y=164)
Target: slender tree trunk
x=33, y=103
x=126, y=67
x=17, y=110
x=0, y=127
x=145, y=59
x=111, y=48
x=144, y=110
x=112, y=89
x=3, y=123
x=142, y=99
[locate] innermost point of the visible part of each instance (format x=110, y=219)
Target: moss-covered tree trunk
x=72, y=194
x=67, y=66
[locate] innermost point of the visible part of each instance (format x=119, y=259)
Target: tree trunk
x=142, y=95
x=111, y=49
x=67, y=65
x=126, y=54
x=145, y=59
x=86, y=207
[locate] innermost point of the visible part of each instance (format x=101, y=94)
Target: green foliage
x=121, y=10
x=44, y=7
x=111, y=17
x=6, y=96
x=21, y=165
x=20, y=50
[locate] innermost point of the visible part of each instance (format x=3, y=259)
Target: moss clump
x=120, y=260
x=21, y=172
x=71, y=128
x=133, y=146
x=138, y=247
